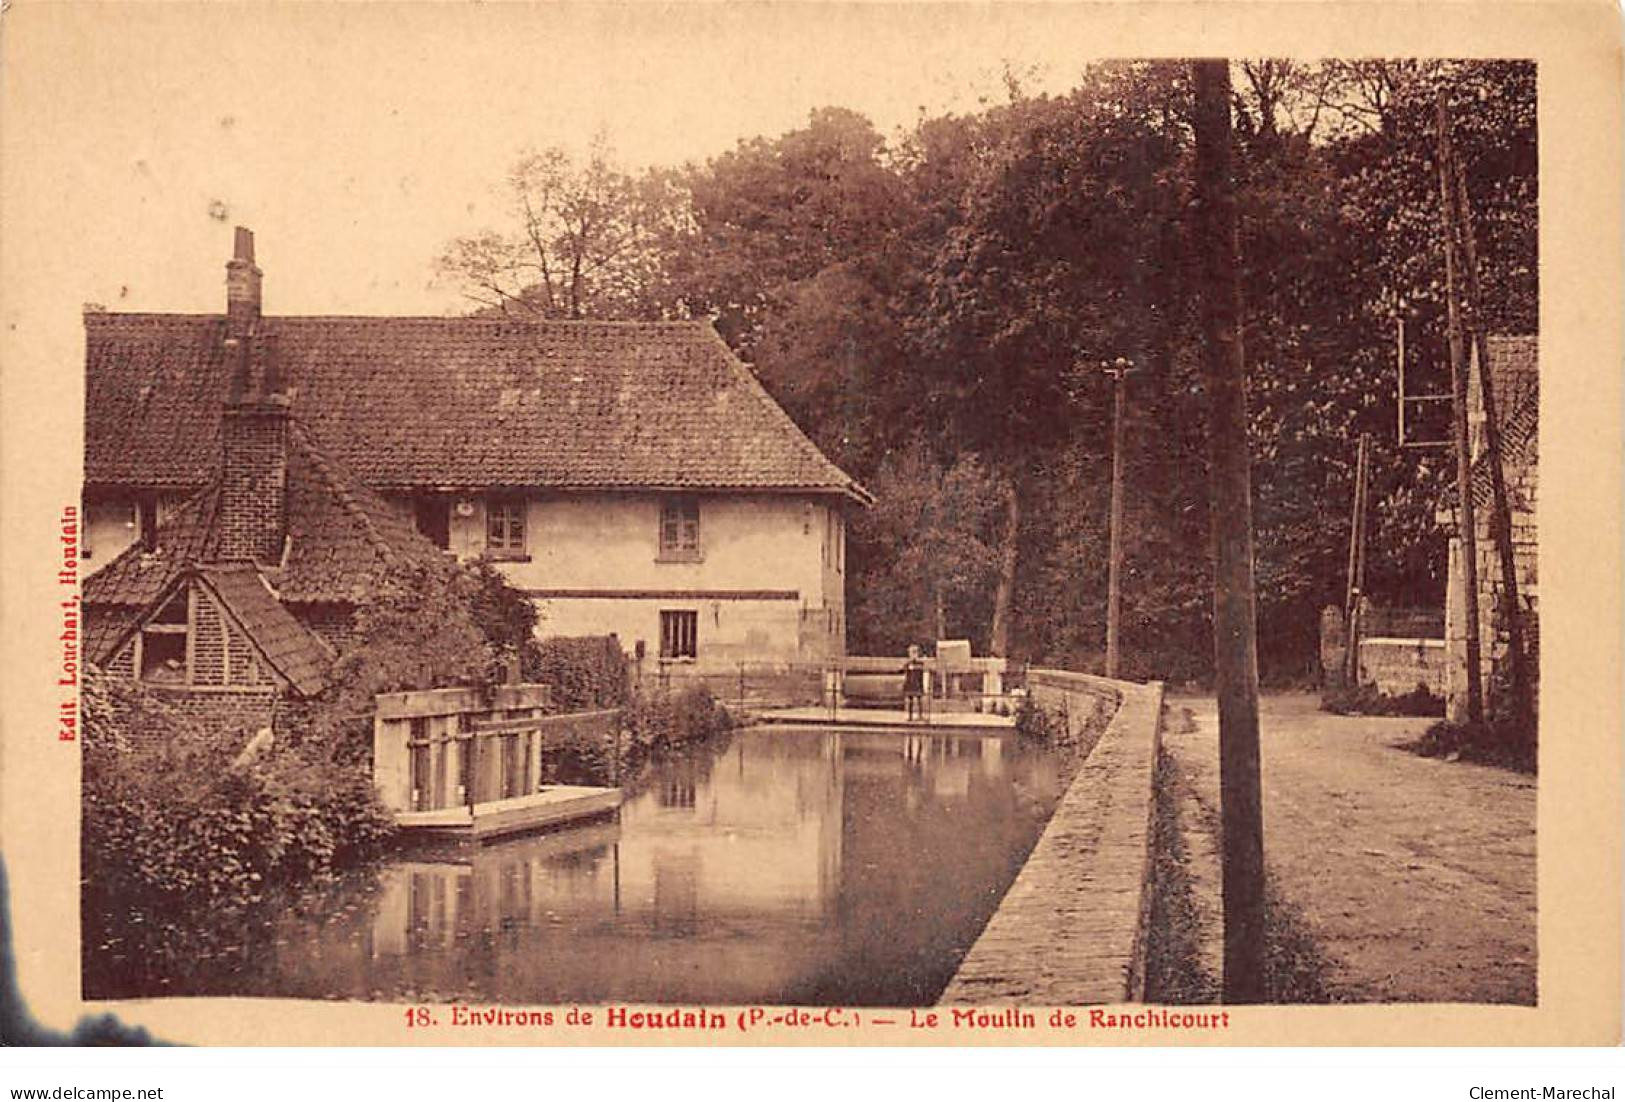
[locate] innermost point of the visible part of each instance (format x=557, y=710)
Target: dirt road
x=1415, y=877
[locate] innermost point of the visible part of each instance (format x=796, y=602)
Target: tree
x=950, y=294
x=1234, y=624
x=587, y=240
x=1055, y=252
x=928, y=549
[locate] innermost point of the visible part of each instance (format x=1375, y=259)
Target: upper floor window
x=680, y=529
x=505, y=527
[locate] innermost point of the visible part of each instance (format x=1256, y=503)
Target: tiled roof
x=290, y=648
x=1515, y=375
x=454, y=403
x=344, y=539
x=106, y=626
x=136, y=577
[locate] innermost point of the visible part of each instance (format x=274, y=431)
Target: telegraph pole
x=1501, y=512
x=1235, y=627
x=1118, y=370
x=1467, y=526
x=1356, y=580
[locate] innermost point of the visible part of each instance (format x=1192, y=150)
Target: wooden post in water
x=1235, y=641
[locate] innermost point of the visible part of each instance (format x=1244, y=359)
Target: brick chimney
x=242, y=287
x=253, y=423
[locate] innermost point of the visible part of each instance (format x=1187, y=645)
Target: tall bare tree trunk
x=1235, y=625
x=1004, y=594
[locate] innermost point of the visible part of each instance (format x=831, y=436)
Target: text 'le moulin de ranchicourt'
x=67, y=576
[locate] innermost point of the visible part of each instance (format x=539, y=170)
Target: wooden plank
x=556, y=805
x=507, y=726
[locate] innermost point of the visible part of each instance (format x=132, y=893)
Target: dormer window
x=163, y=642
x=680, y=530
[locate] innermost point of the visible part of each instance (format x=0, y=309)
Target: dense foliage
x=582, y=674
x=934, y=310
x=649, y=724
x=173, y=827
x=429, y=626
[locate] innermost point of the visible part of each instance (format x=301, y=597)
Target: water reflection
x=817, y=867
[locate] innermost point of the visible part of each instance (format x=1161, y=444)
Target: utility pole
x=1235, y=628
x=1464, y=464
x=1501, y=512
x=1119, y=371
x=1356, y=577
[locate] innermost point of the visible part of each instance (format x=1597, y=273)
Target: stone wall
x=1078, y=698
x=1399, y=650
x=1492, y=629
x=1072, y=928
x=1397, y=666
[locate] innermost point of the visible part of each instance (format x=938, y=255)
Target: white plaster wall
x=763, y=558
x=729, y=631
x=110, y=527
x=612, y=541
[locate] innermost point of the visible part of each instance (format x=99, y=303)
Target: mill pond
x=780, y=866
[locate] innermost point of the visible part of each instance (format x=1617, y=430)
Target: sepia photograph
x=687, y=530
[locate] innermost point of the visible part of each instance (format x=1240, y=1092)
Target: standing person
x=914, y=684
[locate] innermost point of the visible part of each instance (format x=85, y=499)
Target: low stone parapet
x=1071, y=929
x=1398, y=666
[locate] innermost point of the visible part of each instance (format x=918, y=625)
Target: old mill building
x=632, y=478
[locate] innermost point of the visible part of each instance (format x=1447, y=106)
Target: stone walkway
x=1415, y=876
x=1067, y=930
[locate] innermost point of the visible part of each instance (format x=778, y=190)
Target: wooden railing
x=446, y=748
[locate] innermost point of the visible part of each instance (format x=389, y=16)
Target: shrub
x=1368, y=700
x=167, y=818
x=652, y=722
x=1036, y=723
x=1497, y=741
x=584, y=673
x=1051, y=730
